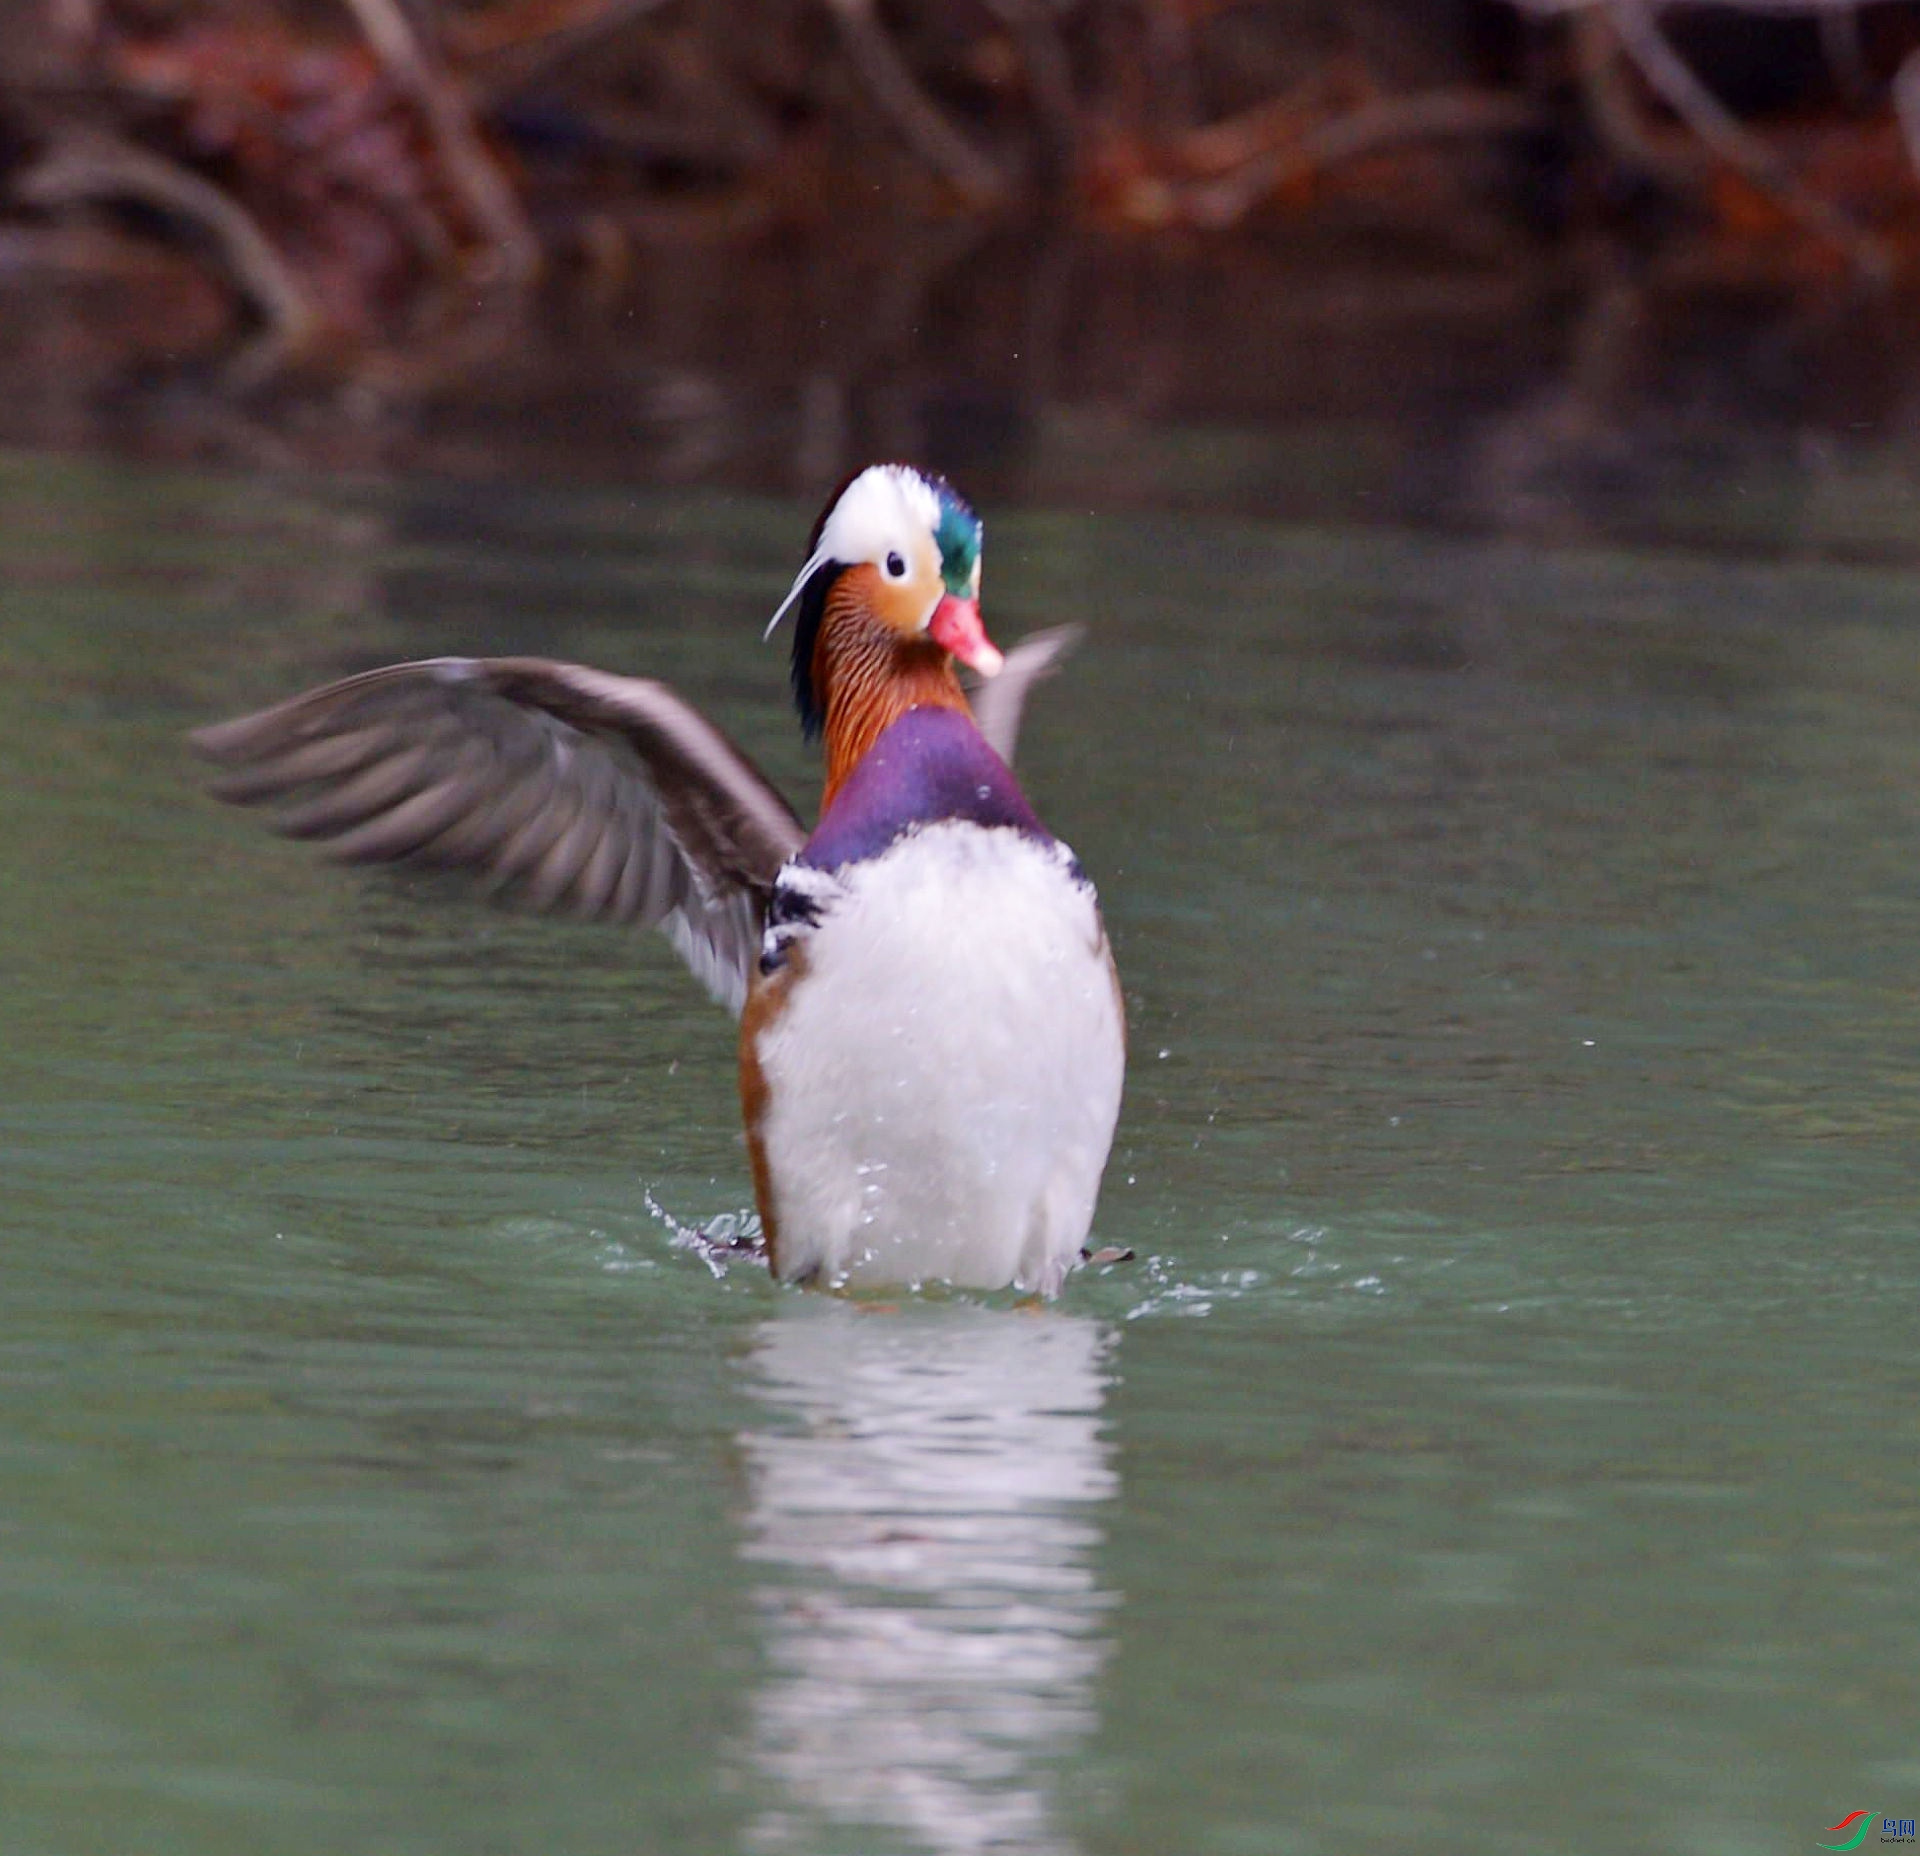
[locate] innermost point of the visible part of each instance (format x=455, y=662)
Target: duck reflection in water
x=926, y=1518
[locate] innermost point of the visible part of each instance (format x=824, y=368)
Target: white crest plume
x=888, y=506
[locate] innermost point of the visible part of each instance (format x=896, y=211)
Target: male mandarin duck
x=931, y=1033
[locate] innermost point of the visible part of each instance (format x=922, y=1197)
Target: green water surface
x=1505, y=1439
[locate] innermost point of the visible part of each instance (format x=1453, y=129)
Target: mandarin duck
x=932, y=1039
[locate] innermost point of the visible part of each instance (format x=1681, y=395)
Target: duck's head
x=894, y=560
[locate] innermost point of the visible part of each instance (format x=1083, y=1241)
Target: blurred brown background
x=1545, y=264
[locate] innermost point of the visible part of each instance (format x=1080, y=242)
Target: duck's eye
x=896, y=567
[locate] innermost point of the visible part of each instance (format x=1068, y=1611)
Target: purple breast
x=930, y=765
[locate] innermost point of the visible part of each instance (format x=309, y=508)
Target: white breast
x=943, y=1083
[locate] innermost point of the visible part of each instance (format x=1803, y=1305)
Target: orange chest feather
x=861, y=706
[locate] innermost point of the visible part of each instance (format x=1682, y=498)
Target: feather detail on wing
x=606, y=797
x=999, y=702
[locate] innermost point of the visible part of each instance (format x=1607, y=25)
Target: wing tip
x=219, y=741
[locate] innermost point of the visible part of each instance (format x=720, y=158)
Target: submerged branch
x=1374, y=126
x=514, y=54
x=87, y=166
x=472, y=170
x=1672, y=79
x=908, y=107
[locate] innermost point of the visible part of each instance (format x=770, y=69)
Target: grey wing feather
x=606, y=797
x=999, y=702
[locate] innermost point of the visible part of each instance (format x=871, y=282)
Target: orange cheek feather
x=901, y=605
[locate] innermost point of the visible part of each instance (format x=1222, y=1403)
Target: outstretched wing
x=999, y=702
x=607, y=797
